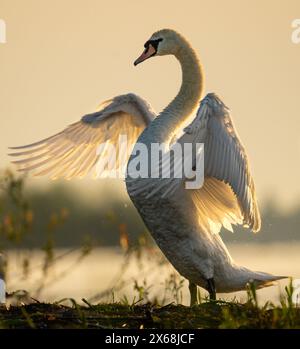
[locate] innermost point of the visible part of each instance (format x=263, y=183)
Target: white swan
x=185, y=224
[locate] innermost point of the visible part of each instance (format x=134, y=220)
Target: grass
x=206, y=315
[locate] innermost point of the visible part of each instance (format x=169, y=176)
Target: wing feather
x=73, y=152
x=227, y=164
x=228, y=194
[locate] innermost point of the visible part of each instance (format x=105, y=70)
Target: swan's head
x=163, y=42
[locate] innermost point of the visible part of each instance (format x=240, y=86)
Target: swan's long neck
x=191, y=88
x=187, y=99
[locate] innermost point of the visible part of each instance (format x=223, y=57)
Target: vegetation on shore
x=206, y=315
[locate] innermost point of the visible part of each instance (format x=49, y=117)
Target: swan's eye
x=153, y=43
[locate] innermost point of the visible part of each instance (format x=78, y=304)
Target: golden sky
x=64, y=57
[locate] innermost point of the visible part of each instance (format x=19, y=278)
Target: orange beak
x=149, y=51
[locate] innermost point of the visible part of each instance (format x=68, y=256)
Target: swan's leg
x=193, y=293
x=211, y=289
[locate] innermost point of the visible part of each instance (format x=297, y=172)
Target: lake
x=72, y=277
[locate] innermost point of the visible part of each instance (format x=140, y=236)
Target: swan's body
x=185, y=224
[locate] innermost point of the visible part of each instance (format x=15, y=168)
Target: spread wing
x=75, y=151
x=228, y=194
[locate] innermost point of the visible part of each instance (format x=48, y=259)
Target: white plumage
x=185, y=223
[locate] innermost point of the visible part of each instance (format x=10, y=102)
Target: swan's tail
x=265, y=280
x=261, y=279
x=240, y=277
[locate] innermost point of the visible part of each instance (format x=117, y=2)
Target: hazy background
x=62, y=58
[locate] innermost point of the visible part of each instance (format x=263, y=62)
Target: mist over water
x=97, y=272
